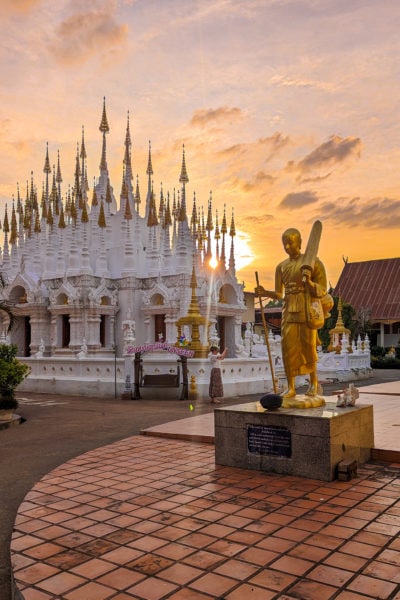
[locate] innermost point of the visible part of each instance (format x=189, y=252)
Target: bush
x=378, y=351
x=378, y=362
x=12, y=373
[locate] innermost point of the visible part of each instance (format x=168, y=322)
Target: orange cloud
x=299, y=199
x=260, y=180
x=203, y=117
x=271, y=145
x=335, y=150
x=375, y=213
x=11, y=7
x=83, y=35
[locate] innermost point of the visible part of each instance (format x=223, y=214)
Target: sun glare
x=243, y=253
x=213, y=262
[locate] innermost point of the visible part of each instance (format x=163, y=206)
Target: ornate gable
x=103, y=295
x=66, y=293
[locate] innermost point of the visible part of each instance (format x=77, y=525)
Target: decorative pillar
x=93, y=329
x=76, y=330
x=55, y=335
x=147, y=328
x=170, y=329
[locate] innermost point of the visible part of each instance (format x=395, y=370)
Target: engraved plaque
x=275, y=441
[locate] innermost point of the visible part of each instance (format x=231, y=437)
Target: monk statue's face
x=292, y=243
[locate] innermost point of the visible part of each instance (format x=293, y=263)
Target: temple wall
x=100, y=376
x=105, y=377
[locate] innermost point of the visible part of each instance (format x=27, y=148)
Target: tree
x=12, y=373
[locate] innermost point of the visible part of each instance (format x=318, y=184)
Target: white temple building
x=80, y=266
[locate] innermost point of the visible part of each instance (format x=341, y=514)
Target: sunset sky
x=289, y=110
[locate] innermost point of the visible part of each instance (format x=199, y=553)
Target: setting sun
x=213, y=262
x=243, y=253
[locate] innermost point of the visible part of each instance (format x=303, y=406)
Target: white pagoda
x=81, y=265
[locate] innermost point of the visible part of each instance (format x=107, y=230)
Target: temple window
x=65, y=331
x=18, y=295
x=157, y=299
x=159, y=328
x=103, y=330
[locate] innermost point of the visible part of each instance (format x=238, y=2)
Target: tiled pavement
x=152, y=518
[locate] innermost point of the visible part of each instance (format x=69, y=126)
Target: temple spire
x=128, y=155
x=183, y=179
x=137, y=194
x=152, y=216
x=47, y=170
x=104, y=128
x=13, y=234
x=209, y=228
x=217, y=237
x=94, y=195
x=149, y=170
x=83, y=156
x=224, y=231
x=102, y=218
x=125, y=204
x=58, y=176
x=77, y=187
x=149, y=173
x=232, y=233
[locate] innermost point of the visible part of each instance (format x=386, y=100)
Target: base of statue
x=293, y=441
x=303, y=401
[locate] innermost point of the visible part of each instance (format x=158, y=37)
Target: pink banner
x=160, y=346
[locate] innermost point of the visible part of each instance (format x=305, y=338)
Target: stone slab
x=302, y=442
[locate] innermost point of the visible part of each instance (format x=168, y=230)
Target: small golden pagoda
x=336, y=334
x=193, y=319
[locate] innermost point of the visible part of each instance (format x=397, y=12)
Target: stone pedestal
x=302, y=442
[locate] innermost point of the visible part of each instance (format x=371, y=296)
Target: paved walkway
x=151, y=517
x=385, y=398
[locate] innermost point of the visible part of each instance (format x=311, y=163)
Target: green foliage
x=349, y=322
x=274, y=303
x=381, y=359
x=12, y=373
x=378, y=362
x=378, y=351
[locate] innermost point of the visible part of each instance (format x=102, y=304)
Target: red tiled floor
x=330, y=575
x=273, y=580
x=312, y=590
x=376, y=588
x=292, y=565
x=345, y=561
x=195, y=531
x=152, y=588
x=251, y=591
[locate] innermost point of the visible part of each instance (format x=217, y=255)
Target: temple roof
x=373, y=285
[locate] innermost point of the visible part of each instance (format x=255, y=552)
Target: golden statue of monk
x=303, y=285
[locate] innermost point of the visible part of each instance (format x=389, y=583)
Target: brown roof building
x=373, y=289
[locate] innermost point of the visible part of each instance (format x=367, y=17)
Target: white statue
x=84, y=350
x=128, y=329
x=41, y=349
x=349, y=396
x=213, y=336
